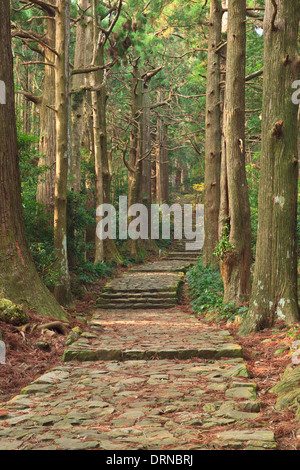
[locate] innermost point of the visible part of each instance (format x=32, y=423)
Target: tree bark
x=234, y=217
x=162, y=158
x=212, y=136
x=62, y=290
x=274, y=294
x=19, y=281
x=135, y=162
x=82, y=58
x=164, y=164
x=146, y=183
x=47, y=144
x=104, y=249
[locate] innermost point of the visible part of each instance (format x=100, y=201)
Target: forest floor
x=26, y=362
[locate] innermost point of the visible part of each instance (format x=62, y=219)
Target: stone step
x=183, y=247
x=142, y=305
x=136, y=300
x=141, y=295
x=165, y=265
x=147, y=281
x=122, y=335
x=189, y=262
x=182, y=255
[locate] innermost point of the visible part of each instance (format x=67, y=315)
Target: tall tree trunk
x=234, y=218
x=146, y=183
x=212, y=136
x=47, y=144
x=164, y=164
x=77, y=102
x=19, y=280
x=62, y=290
x=274, y=294
x=135, y=152
x=104, y=249
x=146, y=186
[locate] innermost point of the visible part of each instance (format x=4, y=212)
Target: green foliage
x=102, y=11
x=44, y=259
x=37, y=220
x=253, y=175
x=294, y=333
x=224, y=248
x=206, y=287
x=88, y=273
x=79, y=216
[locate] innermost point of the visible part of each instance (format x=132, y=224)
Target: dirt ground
x=26, y=361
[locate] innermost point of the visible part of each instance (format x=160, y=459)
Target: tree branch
x=129, y=168
x=48, y=7
x=148, y=75
x=37, y=62
x=111, y=27
x=30, y=97
x=93, y=68
x=258, y=73
x=23, y=34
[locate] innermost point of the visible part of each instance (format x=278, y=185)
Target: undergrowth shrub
x=206, y=288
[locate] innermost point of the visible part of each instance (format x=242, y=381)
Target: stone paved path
x=142, y=378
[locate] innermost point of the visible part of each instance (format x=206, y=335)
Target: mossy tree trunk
x=234, y=216
x=274, y=293
x=62, y=290
x=213, y=133
x=162, y=158
x=104, y=249
x=82, y=59
x=146, y=190
x=19, y=280
x=47, y=144
x=135, y=164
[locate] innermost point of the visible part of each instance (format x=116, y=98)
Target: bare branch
x=145, y=155
x=148, y=75
x=30, y=97
x=195, y=147
x=23, y=34
x=129, y=168
x=40, y=18
x=119, y=7
x=162, y=103
x=183, y=55
x=258, y=73
x=48, y=7
x=93, y=68
x=37, y=62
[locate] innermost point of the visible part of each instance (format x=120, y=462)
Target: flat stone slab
x=125, y=335
x=254, y=440
x=167, y=265
x=145, y=281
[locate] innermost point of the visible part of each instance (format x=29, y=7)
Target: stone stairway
x=142, y=290
x=153, y=285
x=182, y=252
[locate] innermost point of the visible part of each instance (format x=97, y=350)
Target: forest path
x=142, y=377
